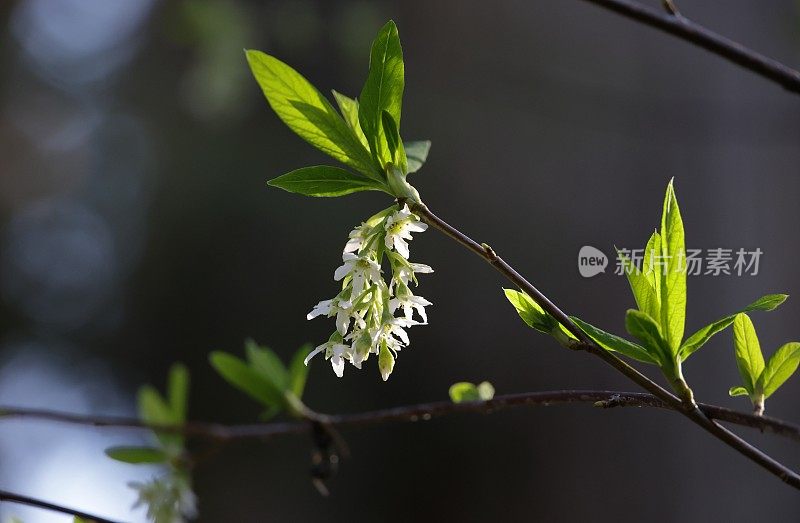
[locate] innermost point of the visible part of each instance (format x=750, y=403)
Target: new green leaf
x=298, y=371
x=737, y=391
x=383, y=90
x=240, y=375
x=779, y=368
x=530, y=311
x=392, y=134
x=615, y=343
x=698, y=339
x=153, y=410
x=673, y=273
x=644, y=328
x=323, y=180
x=349, y=110
x=749, y=358
x=464, y=391
x=309, y=114
x=416, y=154
x=268, y=364
x=137, y=455
x=178, y=391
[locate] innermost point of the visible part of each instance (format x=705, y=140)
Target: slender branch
x=411, y=413
x=10, y=497
x=690, y=410
x=681, y=27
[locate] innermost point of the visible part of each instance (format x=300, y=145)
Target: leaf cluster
x=364, y=134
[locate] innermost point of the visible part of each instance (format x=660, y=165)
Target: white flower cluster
x=365, y=308
x=168, y=499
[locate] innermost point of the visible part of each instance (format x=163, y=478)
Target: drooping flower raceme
x=366, y=306
x=168, y=499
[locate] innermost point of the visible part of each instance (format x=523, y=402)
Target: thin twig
x=670, y=7
x=683, y=28
x=220, y=433
x=689, y=410
x=411, y=413
x=10, y=497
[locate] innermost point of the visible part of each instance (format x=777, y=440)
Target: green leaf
x=298, y=371
x=698, y=339
x=383, y=90
x=137, y=455
x=779, y=368
x=641, y=286
x=615, y=343
x=749, y=358
x=239, y=375
x=530, y=311
x=652, y=271
x=464, y=391
x=673, y=279
x=309, y=114
x=323, y=180
x=737, y=391
x=178, y=391
x=268, y=364
x=485, y=391
x=391, y=133
x=645, y=329
x=349, y=110
x=416, y=154
x=153, y=410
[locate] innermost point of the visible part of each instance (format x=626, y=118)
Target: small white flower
x=408, y=302
x=393, y=329
x=357, y=238
x=364, y=343
x=405, y=273
x=342, y=309
x=168, y=499
x=362, y=269
x=399, y=227
x=337, y=352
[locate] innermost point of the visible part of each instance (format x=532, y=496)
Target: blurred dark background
x=136, y=230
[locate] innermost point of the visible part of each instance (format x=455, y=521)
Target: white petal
x=400, y=333
x=342, y=322
x=419, y=300
x=337, y=362
x=353, y=245
x=342, y=271
x=421, y=268
x=422, y=313
x=358, y=282
x=323, y=307
x=402, y=247
x=314, y=353
x=416, y=226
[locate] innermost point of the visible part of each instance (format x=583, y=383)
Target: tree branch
x=10, y=497
x=411, y=413
x=690, y=410
x=679, y=26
